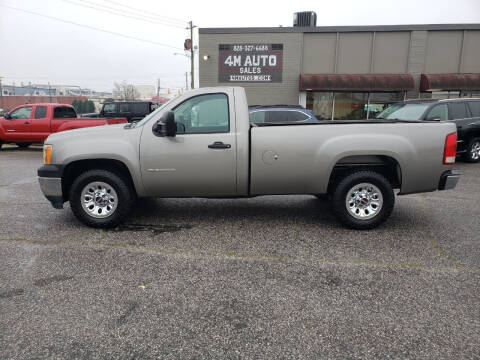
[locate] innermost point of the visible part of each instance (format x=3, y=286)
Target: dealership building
x=343, y=72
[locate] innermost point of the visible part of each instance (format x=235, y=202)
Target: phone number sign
x=250, y=62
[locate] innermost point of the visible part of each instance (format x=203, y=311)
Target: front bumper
x=448, y=180
x=50, y=180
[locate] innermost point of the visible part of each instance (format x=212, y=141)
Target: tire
x=23, y=145
x=473, y=151
x=105, y=186
x=371, y=195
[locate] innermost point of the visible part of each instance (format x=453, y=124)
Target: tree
x=125, y=92
x=90, y=106
x=75, y=105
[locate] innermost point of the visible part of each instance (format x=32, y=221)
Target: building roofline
x=330, y=29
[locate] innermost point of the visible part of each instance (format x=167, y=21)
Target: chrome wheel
x=364, y=201
x=475, y=151
x=99, y=200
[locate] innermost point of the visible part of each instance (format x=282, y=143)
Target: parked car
x=280, y=114
x=465, y=113
x=33, y=123
x=201, y=144
x=131, y=110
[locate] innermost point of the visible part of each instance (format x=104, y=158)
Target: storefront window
x=321, y=104
x=380, y=101
x=350, y=106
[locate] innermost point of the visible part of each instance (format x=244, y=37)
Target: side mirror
x=166, y=125
x=434, y=118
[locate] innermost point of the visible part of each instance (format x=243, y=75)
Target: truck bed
x=303, y=171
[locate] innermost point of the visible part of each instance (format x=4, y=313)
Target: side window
x=438, y=111
x=203, y=114
x=458, y=110
x=297, y=116
x=474, y=108
x=276, y=116
x=141, y=108
x=109, y=108
x=257, y=117
x=22, y=113
x=40, y=112
x=69, y=113
x=123, y=108
x=63, y=112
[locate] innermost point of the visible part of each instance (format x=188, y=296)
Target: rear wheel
x=100, y=198
x=363, y=200
x=473, y=150
x=24, y=145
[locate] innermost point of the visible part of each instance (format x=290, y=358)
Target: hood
x=94, y=131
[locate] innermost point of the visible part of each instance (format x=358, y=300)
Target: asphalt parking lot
x=269, y=277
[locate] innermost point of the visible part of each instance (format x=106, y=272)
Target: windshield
x=152, y=114
x=403, y=112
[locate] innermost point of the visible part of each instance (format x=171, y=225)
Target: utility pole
x=49, y=92
x=186, y=80
x=158, y=88
x=192, y=56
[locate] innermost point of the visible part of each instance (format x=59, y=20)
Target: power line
x=90, y=27
x=151, y=14
x=119, y=12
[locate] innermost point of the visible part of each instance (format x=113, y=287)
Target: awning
x=430, y=82
x=357, y=82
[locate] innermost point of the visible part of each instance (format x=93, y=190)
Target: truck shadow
x=14, y=148
x=277, y=209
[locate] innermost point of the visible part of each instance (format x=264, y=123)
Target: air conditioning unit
x=305, y=18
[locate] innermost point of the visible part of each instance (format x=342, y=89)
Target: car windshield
x=403, y=112
x=152, y=114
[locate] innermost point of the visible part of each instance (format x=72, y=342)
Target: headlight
x=47, y=153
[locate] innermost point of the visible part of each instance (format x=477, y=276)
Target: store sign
x=250, y=63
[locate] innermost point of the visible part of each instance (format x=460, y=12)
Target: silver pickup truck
x=201, y=144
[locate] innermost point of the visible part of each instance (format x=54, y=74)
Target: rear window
x=457, y=110
x=63, y=112
x=257, y=117
x=40, y=112
x=474, y=108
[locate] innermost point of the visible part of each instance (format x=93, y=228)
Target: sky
x=59, y=41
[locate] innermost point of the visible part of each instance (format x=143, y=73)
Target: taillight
x=450, y=150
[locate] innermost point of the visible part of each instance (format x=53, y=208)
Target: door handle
x=219, y=145
x=27, y=122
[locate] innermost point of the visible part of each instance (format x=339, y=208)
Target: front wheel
x=363, y=200
x=473, y=150
x=100, y=198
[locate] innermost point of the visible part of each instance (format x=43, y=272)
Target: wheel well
x=470, y=136
x=74, y=169
x=385, y=165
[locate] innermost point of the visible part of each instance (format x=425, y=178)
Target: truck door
x=201, y=159
x=18, y=124
x=40, y=123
